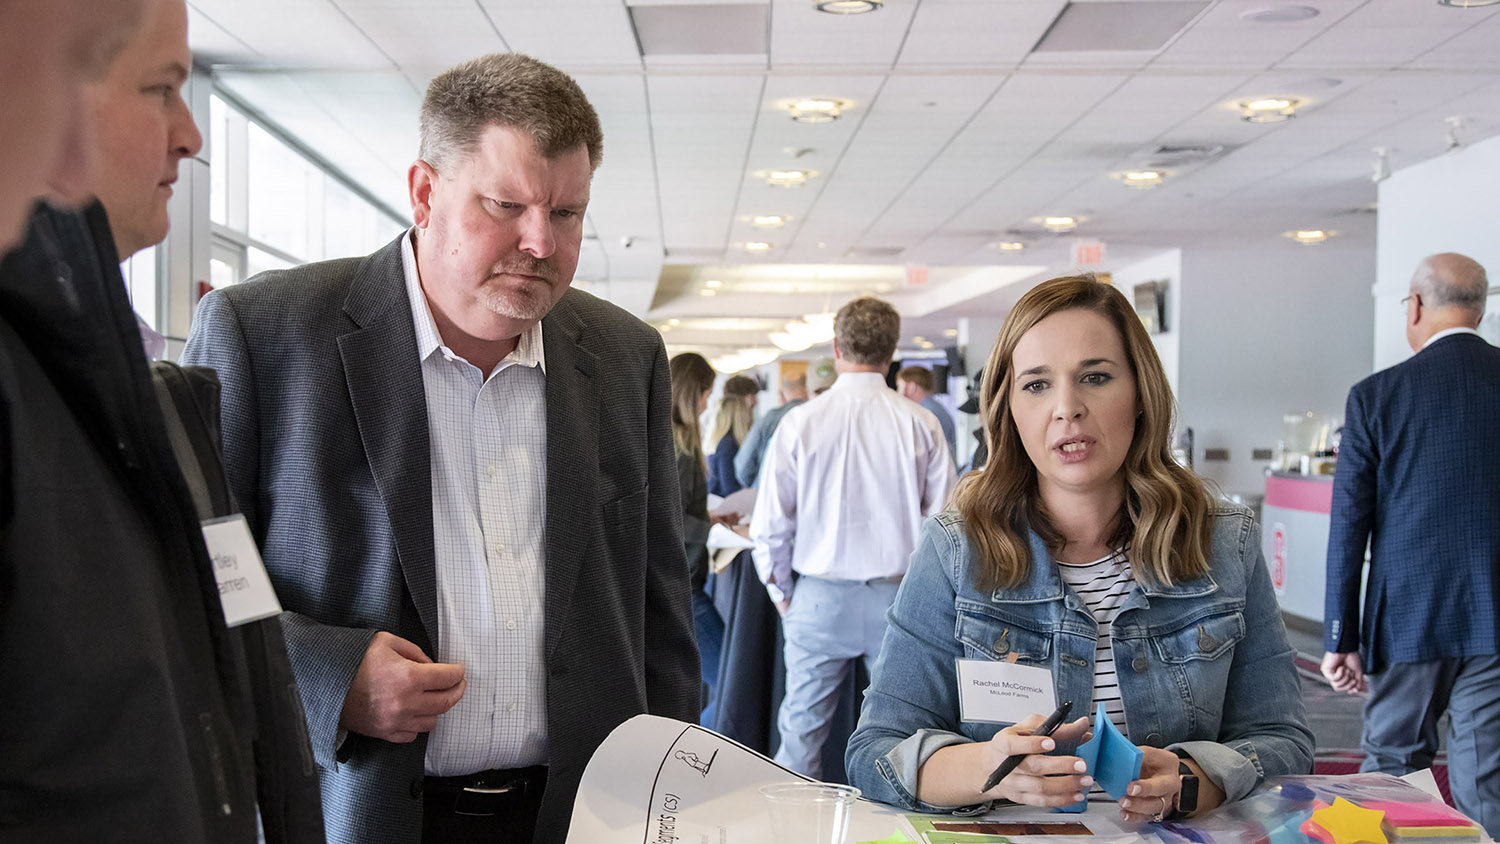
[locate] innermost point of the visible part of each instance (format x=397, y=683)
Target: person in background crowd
x=48, y=50
x=132, y=711
x=847, y=481
x=732, y=422
x=821, y=374
x=464, y=478
x=692, y=382
x=752, y=450
x=915, y=383
x=1082, y=549
x=1417, y=480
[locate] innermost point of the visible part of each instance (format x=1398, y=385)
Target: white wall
x=1269, y=326
x=1446, y=204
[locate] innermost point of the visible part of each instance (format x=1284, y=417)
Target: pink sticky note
x=1418, y=814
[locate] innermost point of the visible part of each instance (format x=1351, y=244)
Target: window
x=273, y=208
x=140, y=283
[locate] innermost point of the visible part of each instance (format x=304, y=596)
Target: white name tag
x=1003, y=692
x=244, y=587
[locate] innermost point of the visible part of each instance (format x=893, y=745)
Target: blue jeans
x=1401, y=718
x=708, y=627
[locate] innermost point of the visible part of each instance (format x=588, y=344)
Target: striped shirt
x=1103, y=585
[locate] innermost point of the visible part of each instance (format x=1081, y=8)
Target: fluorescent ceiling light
x=816, y=109
x=1268, y=109
x=768, y=221
x=713, y=282
x=789, y=178
x=847, y=7
x=1467, y=4
x=1008, y=245
x=757, y=246
x=1141, y=179
x=1310, y=237
x=1058, y=225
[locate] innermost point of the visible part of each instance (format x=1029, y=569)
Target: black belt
x=487, y=792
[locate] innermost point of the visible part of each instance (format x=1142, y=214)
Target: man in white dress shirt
x=847, y=481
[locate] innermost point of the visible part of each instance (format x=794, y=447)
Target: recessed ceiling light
x=950, y=332
x=1008, y=245
x=1279, y=14
x=1310, y=237
x=713, y=283
x=816, y=109
x=789, y=178
x=927, y=344
x=919, y=339
x=708, y=291
x=847, y=7
x=1467, y=4
x=769, y=221
x=757, y=246
x=674, y=321
x=1268, y=109
x=1058, y=225
x=1141, y=179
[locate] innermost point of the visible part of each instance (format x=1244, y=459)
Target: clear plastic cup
x=809, y=812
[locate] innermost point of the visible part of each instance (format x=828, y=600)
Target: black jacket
x=128, y=711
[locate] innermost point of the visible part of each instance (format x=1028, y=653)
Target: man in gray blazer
x=462, y=477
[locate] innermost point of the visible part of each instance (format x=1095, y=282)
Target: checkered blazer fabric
x=327, y=449
x=1419, y=478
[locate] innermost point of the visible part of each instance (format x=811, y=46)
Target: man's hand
x=782, y=607
x=1344, y=672
x=399, y=692
x=728, y=520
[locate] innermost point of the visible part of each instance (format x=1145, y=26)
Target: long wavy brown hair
x=692, y=376
x=1166, y=516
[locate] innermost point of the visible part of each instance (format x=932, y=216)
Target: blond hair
x=733, y=415
x=1166, y=518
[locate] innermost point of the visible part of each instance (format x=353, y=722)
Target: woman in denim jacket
x=1077, y=412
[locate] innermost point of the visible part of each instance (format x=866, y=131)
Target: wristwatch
x=1187, y=794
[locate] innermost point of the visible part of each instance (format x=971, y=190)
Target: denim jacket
x=1203, y=665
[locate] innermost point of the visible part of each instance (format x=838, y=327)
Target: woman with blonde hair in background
x=731, y=423
x=1082, y=550
x=692, y=382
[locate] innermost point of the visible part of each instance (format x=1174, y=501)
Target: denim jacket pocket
x=987, y=636
x=1200, y=653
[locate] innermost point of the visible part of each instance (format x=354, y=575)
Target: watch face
x=1187, y=797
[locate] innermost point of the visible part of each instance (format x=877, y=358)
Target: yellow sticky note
x=898, y=837
x=1347, y=823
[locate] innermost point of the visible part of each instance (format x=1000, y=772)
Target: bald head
x=1449, y=280
x=1448, y=291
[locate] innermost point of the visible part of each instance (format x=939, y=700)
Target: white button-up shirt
x=1449, y=332
x=848, y=478
x=489, y=484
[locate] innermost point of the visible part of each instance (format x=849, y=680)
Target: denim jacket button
x=1139, y=664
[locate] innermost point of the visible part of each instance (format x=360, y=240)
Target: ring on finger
x=1163, y=811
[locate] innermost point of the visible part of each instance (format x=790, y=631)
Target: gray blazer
x=325, y=442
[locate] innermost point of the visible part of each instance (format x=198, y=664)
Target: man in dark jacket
x=132, y=712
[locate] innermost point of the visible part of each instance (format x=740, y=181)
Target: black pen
x=1047, y=728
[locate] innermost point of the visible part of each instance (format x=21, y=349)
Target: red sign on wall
x=1277, y=563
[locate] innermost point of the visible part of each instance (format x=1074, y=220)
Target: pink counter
x=1294, y=538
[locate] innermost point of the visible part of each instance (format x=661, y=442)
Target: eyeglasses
x=1407, y=298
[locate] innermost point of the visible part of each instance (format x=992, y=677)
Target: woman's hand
x=1155, y=793
x=1039, y=780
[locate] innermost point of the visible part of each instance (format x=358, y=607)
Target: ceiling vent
x=1181, y=155
x=1129, y=25
x=874, y=251
x=733, y=29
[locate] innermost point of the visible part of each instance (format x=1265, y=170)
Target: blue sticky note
x=1112, y=760
x=1290, y=832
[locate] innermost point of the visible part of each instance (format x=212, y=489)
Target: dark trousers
x=708, y=627
x=453, y=815
x=1401, y=727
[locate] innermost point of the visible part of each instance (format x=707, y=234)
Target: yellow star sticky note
x=1347, y=823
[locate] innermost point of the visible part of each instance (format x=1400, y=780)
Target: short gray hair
x=507, y=89
x=1451, y=280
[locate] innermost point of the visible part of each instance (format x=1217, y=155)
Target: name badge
x=244, y=587
x=1003, y=692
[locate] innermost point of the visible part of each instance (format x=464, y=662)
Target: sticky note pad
x=1449, y=833
x=1417, y=814
x=1112, y=760
x=1346, y=823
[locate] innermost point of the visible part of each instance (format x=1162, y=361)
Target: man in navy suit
x=1419, y=479
x=462, y=477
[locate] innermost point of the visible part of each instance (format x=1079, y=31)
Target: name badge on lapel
x=1003, y=692
x=244, y=587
